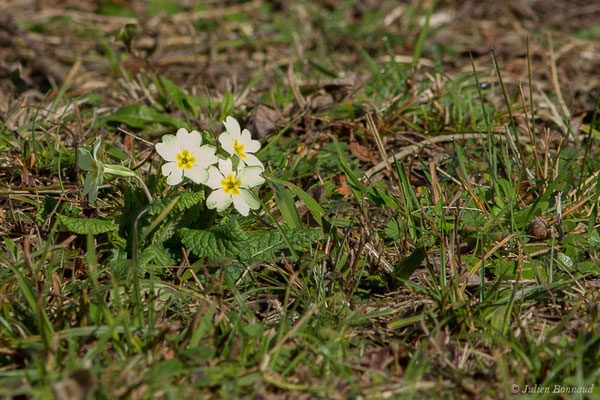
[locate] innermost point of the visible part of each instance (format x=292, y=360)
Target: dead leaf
x=321, y=101
x=361, y=152
x=262, y=121
x=76, y=387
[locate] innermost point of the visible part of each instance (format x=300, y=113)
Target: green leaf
x=322, y=69
x=268, y=246
x=287, y=207
x=140, y=115
x=186, y=200
x=308, y=200
x=50, y=204
x=159, y=219
x=565, y=260
x=357, y=187
x=84, y=226
x=26, y=287
x=422, y=37
x=594, y=238
x=405, y=268
x=231, y=241
x=254, y=330
x=227, y=240
x=175, y=94
x=226, y=106
x=204, y=326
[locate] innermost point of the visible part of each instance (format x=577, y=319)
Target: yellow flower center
x=239, y=149
x=231, y=185
x=184, y=160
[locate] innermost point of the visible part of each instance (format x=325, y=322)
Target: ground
x=428, y=226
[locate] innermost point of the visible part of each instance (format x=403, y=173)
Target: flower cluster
x=185, y=156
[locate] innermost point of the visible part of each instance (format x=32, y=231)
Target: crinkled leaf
x=594, y=238
x=230, y=241
x=84, y=226
x=269, y=245
x=155, y=254
x=186, y=200
x=160, y=255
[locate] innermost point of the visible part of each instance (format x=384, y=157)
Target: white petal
x=225, y=167
x=85, y=160
x=189, y=140
x=173, y=173
x=205, y=156
x=232, y=126
x=250, y=177
x=214, y=178
x=226, y=142
x=250, y=199
x=168, y=168
x=250, y=146
x=169, y=148
x=219, y=200
x=252, y=161
x=241, y=205
x=196, y=174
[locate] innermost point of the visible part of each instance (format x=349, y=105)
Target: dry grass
x=507, y=293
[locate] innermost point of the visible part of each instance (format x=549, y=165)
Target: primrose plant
x=231, y=179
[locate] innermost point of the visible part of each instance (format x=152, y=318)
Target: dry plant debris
x=432, y=174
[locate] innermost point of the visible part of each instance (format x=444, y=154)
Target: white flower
x=185, y=157
x=233, y=187
x=239, y=143
x=95, y=176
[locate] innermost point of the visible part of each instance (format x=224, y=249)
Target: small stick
x=473, y=195
x=531, y=137
x=145, y=160
x=299, y=98
x=371, y=127
x=135, y=137
x=487, y=255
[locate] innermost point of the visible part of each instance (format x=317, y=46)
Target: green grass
x=458, y=271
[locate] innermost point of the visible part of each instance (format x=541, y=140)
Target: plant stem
x=145, y=188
